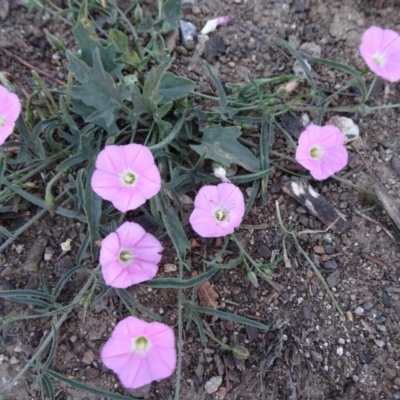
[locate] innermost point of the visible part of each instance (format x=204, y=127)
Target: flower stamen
x=140, y=345
x=126, y=257
x=316, y=153
x=379, y=59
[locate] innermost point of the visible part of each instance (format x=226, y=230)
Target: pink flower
x=10, y=107
x=380, y=49
x=126, y=175
x=218, y=210
x=129, y=256
x=140, y=352
x=321, y=150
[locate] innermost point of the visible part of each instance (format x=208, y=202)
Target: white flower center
x=126, y=256
x=141, y=345
x=3, y=120
x=379, y=59
x=316, y=152
x=221, y=214
x=128, y=178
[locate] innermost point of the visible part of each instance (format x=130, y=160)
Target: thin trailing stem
x=49, y=337
x=306, y=256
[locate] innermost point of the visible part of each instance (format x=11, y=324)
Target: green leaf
x=349, y=70
x=176, y=283
x=226, y=315
x=174, y=87
x=172, y=224
x=88, y=41
x=87, y=388
x=172, y=13
x=55, y=41
x=88, y=114
x=98, y=89
x=301, y=61
x=220, y=144
x=149, y=100
x=119, y=39
x=221, y=92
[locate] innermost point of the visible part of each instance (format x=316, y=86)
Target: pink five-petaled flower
x=126, y=175
x=380, y=49
x=218, y=210
x=129, y=255
x=10, y=107
x=321, y=150
x=140, y=352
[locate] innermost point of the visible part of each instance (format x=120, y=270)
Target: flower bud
x=138, y=14
x=220, y=172
x=212, y=24
x=240, y=352
x=252, y=277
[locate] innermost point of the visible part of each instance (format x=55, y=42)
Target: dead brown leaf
x=206, y=293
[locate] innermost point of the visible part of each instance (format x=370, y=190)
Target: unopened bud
x=252, y=277
x=220, y=172
x=240, y=352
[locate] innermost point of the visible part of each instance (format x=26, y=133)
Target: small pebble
x=341, y=341
x=19, y=248
x=213, y=384
x=368, y=305
x=339, y=351
x=170, y=267
x=14, y=360
x=359, y=311
x=379, y=343
x=88, y=357
x=48, y=253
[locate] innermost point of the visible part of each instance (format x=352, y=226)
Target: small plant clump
x=126, y=134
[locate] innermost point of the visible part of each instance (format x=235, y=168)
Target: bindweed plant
x=127, y=134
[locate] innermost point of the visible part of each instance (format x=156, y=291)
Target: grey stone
x=310, y=50
x=331, y=265
x=333, y=278
x=395, y=164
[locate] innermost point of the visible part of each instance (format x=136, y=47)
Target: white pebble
x=359, y=311
x=170, y=267
x=213, y=384
x=339, y=351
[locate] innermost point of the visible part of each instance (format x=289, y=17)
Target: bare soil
x=310, y=351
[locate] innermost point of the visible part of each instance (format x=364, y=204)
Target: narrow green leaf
x=49, y=388
x=348, y=70
x=301, y=61
x=26, y=293
x=172, y=224
x=172, y=135
x=175, y=283
x=229, y=316
x=65, y=278
x=88, y=389
x=220, y=90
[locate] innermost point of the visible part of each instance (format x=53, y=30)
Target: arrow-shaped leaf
x=220, y=144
